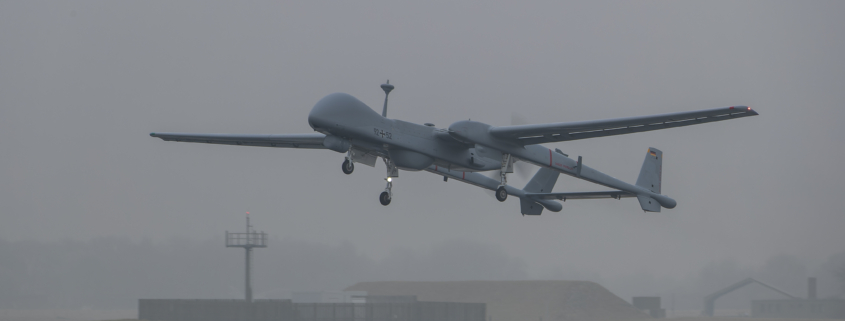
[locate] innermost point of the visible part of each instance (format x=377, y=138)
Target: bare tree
x=840, y=273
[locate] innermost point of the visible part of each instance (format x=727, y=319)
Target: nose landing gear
x=385, y=197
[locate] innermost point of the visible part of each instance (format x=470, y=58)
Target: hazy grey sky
x=83, y=83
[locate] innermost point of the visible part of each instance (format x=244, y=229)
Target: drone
x=466, y=149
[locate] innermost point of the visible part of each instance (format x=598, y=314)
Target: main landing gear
x=507, y=167
x=385, y=197
x=348, y=166
x=501, y=194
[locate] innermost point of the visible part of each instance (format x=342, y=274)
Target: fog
x=94, y=212
x=113, y=272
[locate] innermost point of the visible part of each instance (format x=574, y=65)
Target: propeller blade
x=520, y=168
x=494, y=175
x=523, y=169
x=518, y=119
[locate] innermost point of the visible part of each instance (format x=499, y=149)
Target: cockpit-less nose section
x=346, y=125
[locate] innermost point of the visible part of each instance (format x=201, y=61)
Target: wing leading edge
x=557, y=132
x=313, y=141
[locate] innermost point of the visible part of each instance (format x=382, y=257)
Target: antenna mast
x=387, y=88
x=249, y=240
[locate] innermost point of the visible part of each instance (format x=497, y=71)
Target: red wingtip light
x=732, y=107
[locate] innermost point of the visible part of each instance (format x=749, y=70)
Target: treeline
x=115, y=272
x=785, y=272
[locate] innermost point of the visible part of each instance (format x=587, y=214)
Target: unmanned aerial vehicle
x=346, y=125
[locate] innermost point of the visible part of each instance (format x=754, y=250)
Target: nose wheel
x=384, y=198
x=347, y=167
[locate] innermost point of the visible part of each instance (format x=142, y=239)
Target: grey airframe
x=465, y=148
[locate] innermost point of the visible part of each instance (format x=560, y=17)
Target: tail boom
x=544, y=180
x=646, y=190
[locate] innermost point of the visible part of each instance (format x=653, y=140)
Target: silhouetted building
x=285, y=310
x=798, y=309
x=650, y=305
x=810, y=308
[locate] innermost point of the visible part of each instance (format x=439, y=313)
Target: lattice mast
x=249, y=240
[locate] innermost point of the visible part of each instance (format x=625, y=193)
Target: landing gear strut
x=385, y=197
x=507, y=163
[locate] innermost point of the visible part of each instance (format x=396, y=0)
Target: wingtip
x=751, y=111
x=747, y=109
x=152, y=134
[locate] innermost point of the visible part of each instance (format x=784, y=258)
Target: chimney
x=811, y=288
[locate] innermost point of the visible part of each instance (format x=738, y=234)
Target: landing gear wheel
x=501, y=194
x=384, y=198
x=347, y=167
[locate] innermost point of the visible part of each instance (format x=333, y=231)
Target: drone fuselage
x=465, y=146
x=410, y=146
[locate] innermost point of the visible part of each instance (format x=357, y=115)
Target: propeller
x=521, y=169
x=518, y=119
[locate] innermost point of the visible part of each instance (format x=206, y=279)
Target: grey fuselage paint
x=471, y=147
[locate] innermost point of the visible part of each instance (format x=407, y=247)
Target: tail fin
x=650, y=177
x=650, y=174
x=648, y=204
x=542, y=182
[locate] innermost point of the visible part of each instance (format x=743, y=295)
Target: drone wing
x=314, y=141
x=557, y=132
